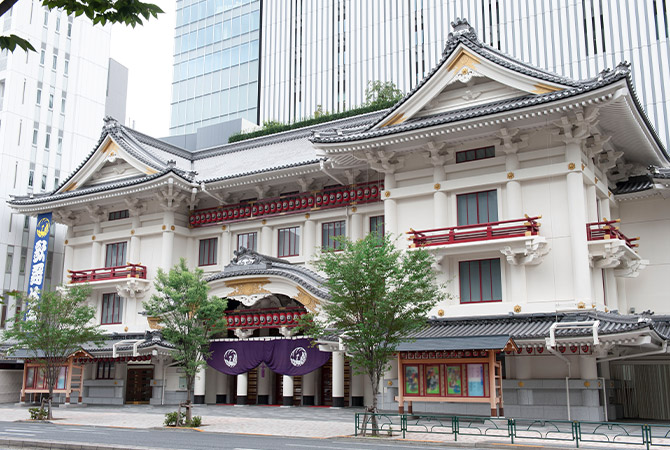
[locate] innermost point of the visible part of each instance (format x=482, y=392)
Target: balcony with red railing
x=335, y=197
x=607, y=229
x=265, y=318
x=504, y=229
x=108, y=273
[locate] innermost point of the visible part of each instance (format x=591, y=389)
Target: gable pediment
x=108, y=164
x=467, y=79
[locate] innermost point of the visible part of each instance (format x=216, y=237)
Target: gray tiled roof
x=248, y=262
x=634, y=184
x=536, y=326
x=492, y=342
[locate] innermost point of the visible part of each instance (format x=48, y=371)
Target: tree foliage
x=55, y=326
x=128, y=12
x=379, y=296
x=189, y=318
x=381, y=92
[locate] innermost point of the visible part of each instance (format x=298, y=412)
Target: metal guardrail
x=611, y=433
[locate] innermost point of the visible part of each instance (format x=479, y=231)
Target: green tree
x=129, y=12
x=379, y=296
x=381, y=92
x=189, y=318
x=55, y=326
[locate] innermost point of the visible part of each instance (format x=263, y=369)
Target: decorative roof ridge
x=159, y=144
x=259, y=171
x=285, y=136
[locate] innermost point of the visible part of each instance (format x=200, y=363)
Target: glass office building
x=216, y=57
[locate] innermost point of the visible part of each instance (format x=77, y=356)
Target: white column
x=356, y=224
x=222, y=388
x=266, y=240
x=135, y=242
x=242, y=387
x=390, y=207
x=309, y=388
x=96, y=247
x=338, y=379
x=224, y=247
x=440, y=198
x=264, y=383
x=591, y=204
x=287, y=390
x=69, y=251
x=199, y=387
x=168, y=241
x=309, y=239
x=158, y=383
x=581, y=271
x=358, y=389
x=514, y=210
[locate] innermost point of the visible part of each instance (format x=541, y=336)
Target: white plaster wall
x=11, y=382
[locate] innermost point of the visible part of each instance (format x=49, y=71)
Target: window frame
x=476, y=193
x=291, y=244
x=124, y=245
x=328, y=238
x=474, y=152
x=118, y=215
x=117, y=309
x=481, y=286
x=105, y=370
x=251, y=236
x=210, y=257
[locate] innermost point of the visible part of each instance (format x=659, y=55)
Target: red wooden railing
x=606, y=229
x=527, y=226
x=265, y=318
x=108, y=273
x=335, y=197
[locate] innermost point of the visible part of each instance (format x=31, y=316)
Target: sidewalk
x=310, y=422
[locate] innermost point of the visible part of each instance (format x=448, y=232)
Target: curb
x=60, y=445
x=480, y=444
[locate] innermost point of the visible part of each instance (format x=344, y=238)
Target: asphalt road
x=189, y=439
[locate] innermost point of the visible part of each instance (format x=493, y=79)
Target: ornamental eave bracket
x=530, y=253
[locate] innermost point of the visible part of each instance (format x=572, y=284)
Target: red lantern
x=540, y=350
x=529, y=350
x=585, y=348
x=574, y=348
x=262, y=319
x=257, y=319
x=561, y=349
x=310, y=201
x=318, y=200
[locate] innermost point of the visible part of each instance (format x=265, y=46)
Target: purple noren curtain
x=282, y=356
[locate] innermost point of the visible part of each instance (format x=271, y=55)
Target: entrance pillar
x=199, y=387
x=338, y=379
x=287, y=388
x=358, y=390
x=263, y=386
x=221, y=387
x=308, y=388
x=242, y=386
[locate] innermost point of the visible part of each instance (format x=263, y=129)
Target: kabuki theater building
x=544, y=200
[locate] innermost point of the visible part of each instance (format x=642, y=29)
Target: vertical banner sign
x=39, y=259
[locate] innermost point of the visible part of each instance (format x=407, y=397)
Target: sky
x=147, y=53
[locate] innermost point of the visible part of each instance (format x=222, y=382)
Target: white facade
x=316, y=53
x=51, y=103
x=496, y=167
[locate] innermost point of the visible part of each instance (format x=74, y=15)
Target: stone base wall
x=104, y=392
x=11, y=382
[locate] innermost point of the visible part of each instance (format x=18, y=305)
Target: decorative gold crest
x=517, y=308
x=571, y=166
x=510, y=175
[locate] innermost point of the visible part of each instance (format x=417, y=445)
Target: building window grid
x=289, y=242
x=115, y=254
x=480, y=281
x=377, y=226
x=207, y=253
x=117, y=215
x=329, y=232
x=477, y=207
x=475, y=154
x=105, y=370
x=247, y=240
x=111, y=309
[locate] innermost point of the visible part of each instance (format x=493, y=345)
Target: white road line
x=23, y=430
x=17, y=434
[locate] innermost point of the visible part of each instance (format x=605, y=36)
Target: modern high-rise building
x=315, y=53
x=51, y=102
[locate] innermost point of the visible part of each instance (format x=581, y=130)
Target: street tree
x=128, y=12
x=188, y=317
x=381, y=93
x=379, y=296
x=54, y=326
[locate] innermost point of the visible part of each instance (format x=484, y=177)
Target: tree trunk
x=190, y=381
x=374, y=379
x=51, y=395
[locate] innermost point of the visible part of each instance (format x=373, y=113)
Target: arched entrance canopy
x=251, y=276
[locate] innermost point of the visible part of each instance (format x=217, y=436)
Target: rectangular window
x=3, y=312
x=116, y=254
x=57, y=24
x=51, y=101
x=475, y=154
x=66, y=67
x=377, y=226
x=69, y=29
x=207, y=255
x=330, y=231
x=47, y=141
x=44, y=181
x=111, y=309
x=39, y=96
x=289, y=242
x=42, y=56
x=9, y=261
x=480, y=281
x=35, y=135
x=54, y=62
x=116, y=215
x=478, y=207
x=247, y=240
x=31, y=178
x=105, y=371
x=62, y=105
